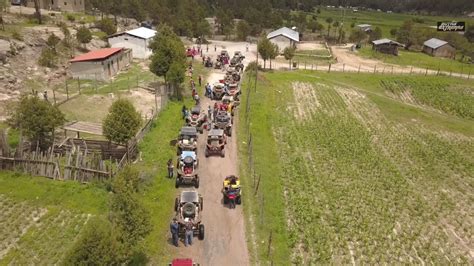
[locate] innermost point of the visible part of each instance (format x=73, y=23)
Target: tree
x=357, y=36
x=329, y=22
x=202, y=29
x=3, y=6
x=53, y=41
x=175, y=76
x=469, y=33
x=393, y=32
x=265, y=48
x=48, y=58
x=129, y=217
x=122, y=122
x=243, y=30
x=167, y=49
x=405, y=34
x=274, y=52
x=37, y=119
x=38, y=11
x=376, y=34
x=84, y=35
x=96, y=246
x=336, y=25
x=289, y=53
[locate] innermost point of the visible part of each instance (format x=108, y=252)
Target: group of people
x=188, y=231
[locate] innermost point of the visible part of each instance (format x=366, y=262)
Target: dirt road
x=224, y=242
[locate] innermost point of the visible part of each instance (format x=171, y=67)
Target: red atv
x=183, y=262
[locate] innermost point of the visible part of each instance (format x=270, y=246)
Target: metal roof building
x=439, y=48
x=137, y=39
x=386, y=46
x=284, y=37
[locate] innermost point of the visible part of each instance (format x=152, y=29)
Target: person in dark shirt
x=174, y=228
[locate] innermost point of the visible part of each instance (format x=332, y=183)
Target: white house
x=138, y=40
x=284, y=37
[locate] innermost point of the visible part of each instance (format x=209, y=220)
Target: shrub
x=71, y=17
x=47, y=58
x=122, y=122
x=107, y=25
x=84, y=35
x=17, y=36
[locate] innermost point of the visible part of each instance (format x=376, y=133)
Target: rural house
x=100, y=64
x=138, y=40
x=365, y=27
x=386, y=46
x=60, y=5
x=284, y=37
x=439, y=48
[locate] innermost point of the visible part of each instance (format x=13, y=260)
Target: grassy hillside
x=368, y=169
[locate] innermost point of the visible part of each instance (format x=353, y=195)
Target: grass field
x=418, y=59
x=385, y=21
x=41, y=218
x=362, y=169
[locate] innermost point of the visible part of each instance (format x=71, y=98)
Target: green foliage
x=393, y=32
x=84, y=35
x=289, y=53
x=71, y=17
x=315, y=26
x=48, y=58
x=410, y=35
x=37, y=119
x=107, y=25
x=376, y=34
x=243, y=30
x=266, y=49
x=357, y=36
x=17, y=35
x=167, y=49
x=53, y=41
x=122, y=122
x=469, y=33
x=96, y=246
x=175, y=76
x=129, y=217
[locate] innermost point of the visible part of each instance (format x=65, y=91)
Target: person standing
x=184, y=111
x=170, y=168
x=209, y=112
x=200, y=80
x=174, y=228
x=189, y=232
x=215, y=48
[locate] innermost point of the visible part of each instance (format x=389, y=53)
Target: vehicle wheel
x=177, y=182
x=226, y=200
x=196, y=183
x=239, y=200
x=223, y=153
x=201, y=200
x=176, y=204
x=201, y=232
x=230, y=132
x=206, y=153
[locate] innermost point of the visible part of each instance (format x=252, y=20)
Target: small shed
x=439, y=48
x=284, y=37
x=386, y=46
x=100, y=64
x=365, y=27
x=137, y=40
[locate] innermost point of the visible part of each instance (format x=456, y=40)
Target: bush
x=252, y=67
x=17, y=36
x=107, y=25
x=84, y=35
x=71, y=17
x=48, y=58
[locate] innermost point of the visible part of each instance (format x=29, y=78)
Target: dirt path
x=224, y=242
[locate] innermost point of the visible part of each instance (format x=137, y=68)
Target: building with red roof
x=100, y=64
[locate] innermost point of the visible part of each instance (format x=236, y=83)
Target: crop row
x=36, y=236
x=437, y=94
x=360, y=188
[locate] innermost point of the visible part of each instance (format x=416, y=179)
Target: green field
x=418, y=59
x=361, y=169
x=385, y=21
x=40, y=218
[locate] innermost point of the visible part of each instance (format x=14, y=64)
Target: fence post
x=304, y=65
x=343, y=67
x=411, y=70
x=311, y=66
x=67, y=91
x=258, y=184
x=437, y=73
x=95, y=82
x=128, y=84
x=269, y=243
x=54, y=96
x=392, y=70
x=469, y=74
x=426, y=72
x=358, y=71
x=79, y=85
x=329, y=69
x=375, y=69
